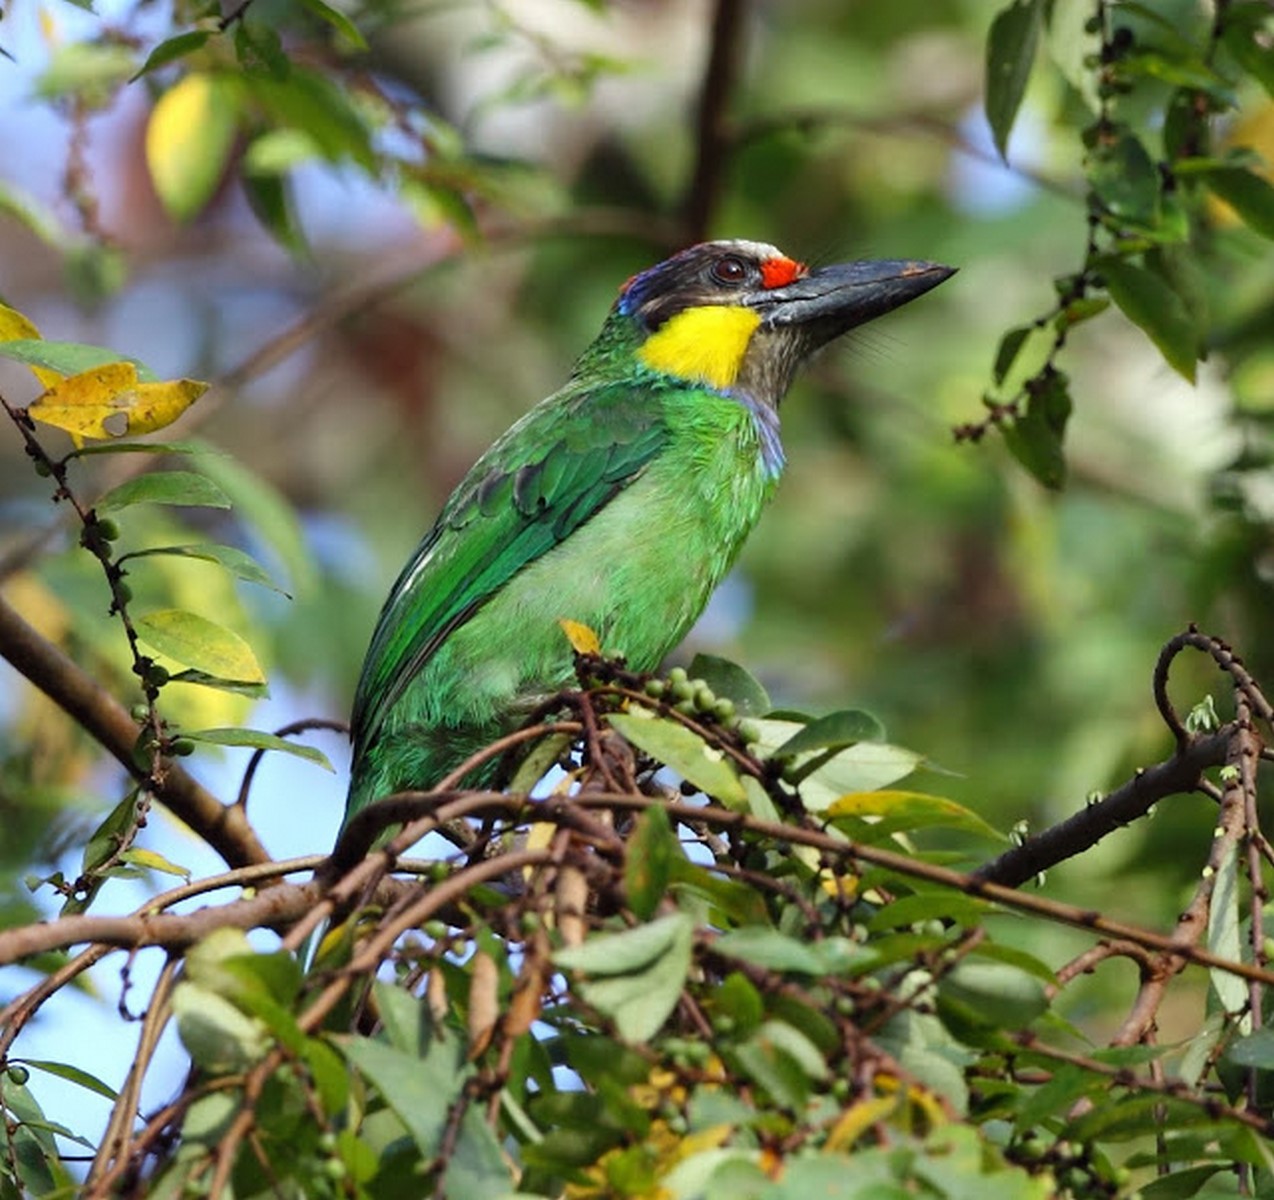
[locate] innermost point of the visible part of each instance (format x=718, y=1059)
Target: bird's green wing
x=543, y=479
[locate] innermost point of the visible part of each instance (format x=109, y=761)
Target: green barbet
x=619, y=503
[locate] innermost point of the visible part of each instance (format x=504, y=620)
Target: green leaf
x=902, y=811
x=197, y=642
x=1255, y=1050
x=420, y=1090
x=1158, y=311
x=1006, y=354
x=269, y=514
x=217, y=1035
x=71, y=1074
x=1010, y=54
x=832, y=732
x=730, y=681
x=1247, y=193
x=189, y=137
x=260, y=740
x=927, y=906
x=271, y=199
x=1224, y=937
x=637, y=975
x=331, y=1078
x=140, y=448
x=991, y=994
x=862, y=767
x=184, y=489
x=172, y=49
x=777, y=951
x=1035, y=436
x=339, y=21
x=240, y=565
x=237, y=687
x=68, y=358
x=784, y=1062
x=684, y=751
x=1126, y=179
x=1180, y=1185
x=1246, y=38
x=649, y=854
x=308, y=101
x=105, y=839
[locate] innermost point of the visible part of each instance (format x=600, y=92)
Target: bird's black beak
x=827, y=302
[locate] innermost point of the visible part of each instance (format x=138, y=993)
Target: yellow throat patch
x=705, y=345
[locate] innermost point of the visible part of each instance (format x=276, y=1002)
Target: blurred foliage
x=382, y=233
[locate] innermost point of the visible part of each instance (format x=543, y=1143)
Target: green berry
x=704, y=697
x=156, y=675
x=655, y=688
x=107, y=530
x=749, y=732
x=681, y=690
x=18, y=1074
x=42, y=469
x=181, y=747
x=123, y=594
x=723, y=710
x=678, y=675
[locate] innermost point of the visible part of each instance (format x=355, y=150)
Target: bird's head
x=742, y=315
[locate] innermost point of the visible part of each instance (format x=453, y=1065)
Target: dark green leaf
x=1180, y=1185
x=270, y=198
x=651, y=848
x=1248, y=194
x=1246, y=37
x=141, y=448
x=339, y=21
x=1158, y=311
x=260, y=740
x=1255, y=1050
x=174, y=48
x=1010, y=54
x=1035, y=436
x=68, y=1072
x=731, y=681
x=68, y=358
x=1006, y=355
x=833, y=732
x=181, y=488
x=1125, y=178
x=237, y=687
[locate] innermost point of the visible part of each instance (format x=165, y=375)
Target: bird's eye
x=729, y=270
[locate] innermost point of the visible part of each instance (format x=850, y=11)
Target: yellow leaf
x=108, y=402
x=14, y=327
x=199, y=643
x=188, y=140
x=583, y=640
x=857, y=1120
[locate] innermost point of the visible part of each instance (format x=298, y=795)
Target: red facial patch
x=779, y=272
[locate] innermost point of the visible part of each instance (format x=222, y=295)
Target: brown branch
x=85, y=700
x=1179, y=774
x=712, y=126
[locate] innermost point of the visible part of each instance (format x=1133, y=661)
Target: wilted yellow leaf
x=857, y=1120
x=14, y=327
x=583, y=640
x=108, y=402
